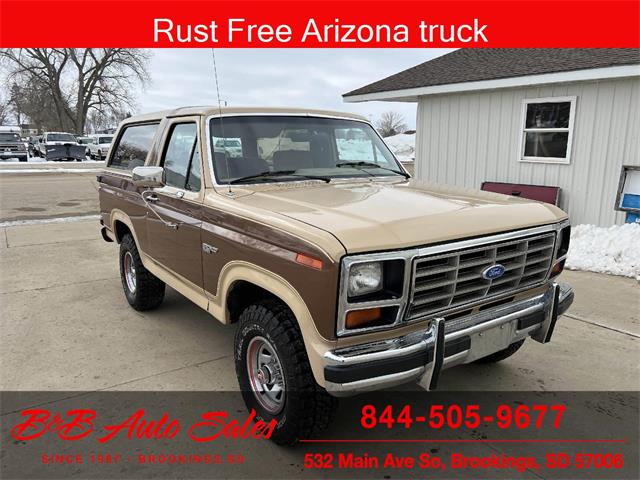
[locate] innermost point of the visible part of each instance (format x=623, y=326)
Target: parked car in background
x=99, y=146
x=85, y=141
x=58, y=146
x=32, y=141
x=12, y=146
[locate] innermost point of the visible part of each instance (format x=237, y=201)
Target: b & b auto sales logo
x=80, y=423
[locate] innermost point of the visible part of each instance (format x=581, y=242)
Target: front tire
x=275, y=376
x=143, y=290
x=502, y=354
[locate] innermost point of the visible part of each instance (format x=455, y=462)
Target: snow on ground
x=50, y=170
x=42, y=221
x=50, y=166
x=614, y=250
x=42, y=160
x=403, y=146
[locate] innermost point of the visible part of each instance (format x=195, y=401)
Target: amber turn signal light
x=357, y=318
x=557, y=269
x=309, y=261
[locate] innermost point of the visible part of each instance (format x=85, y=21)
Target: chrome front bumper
x=408, y=358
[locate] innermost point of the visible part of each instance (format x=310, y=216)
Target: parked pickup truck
x=12, y=146
x=342, y=272
x=59, y=146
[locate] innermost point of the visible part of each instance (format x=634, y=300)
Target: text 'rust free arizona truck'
x=342, y=272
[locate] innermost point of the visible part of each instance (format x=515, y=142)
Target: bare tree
x=32, y=103
x=98, y=121
x=78, y=80
x=4, y=108
x=391, y=123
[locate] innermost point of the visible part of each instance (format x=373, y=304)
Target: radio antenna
x=224, y=140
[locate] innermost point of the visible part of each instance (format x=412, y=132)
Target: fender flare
x=117, y=215
x=235, y=271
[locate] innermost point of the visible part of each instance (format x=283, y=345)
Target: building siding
x=465, y=139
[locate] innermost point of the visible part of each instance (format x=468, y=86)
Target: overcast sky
x=309, y=78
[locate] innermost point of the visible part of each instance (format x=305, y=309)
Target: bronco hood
x=375, y=216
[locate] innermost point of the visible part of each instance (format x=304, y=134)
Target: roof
x=477, y=65
x=208, y=110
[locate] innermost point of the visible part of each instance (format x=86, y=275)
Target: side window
x=133, y=146
x=547, y=129
x=181, y=160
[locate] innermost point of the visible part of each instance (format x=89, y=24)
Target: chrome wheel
x=129, y=272
x=265, y=374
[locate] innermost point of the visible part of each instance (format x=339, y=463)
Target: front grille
x=453, y=279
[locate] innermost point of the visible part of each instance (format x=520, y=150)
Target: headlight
x=564, y=237
x=364, y=278
x=563, y=240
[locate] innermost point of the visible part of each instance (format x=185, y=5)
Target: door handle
x=152, y=198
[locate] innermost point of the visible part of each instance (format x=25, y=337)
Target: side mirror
x=150, y=177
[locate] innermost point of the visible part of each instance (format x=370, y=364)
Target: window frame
x=167, y=139
x=523, y=130
x=118, y=138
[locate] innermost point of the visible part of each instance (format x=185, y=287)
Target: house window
x=547, y=129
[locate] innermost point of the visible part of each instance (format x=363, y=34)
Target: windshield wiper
x=364, y=165
x=279, y=173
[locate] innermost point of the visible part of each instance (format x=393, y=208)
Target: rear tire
x=268, y=330
x=144, y=291
x=502, y=354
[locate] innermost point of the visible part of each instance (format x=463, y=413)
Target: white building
x=557, y=117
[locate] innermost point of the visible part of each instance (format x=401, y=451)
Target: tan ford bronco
x=342, y=272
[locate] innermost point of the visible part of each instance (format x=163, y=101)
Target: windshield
x=104, y=139
x=60, y=137
x=327, y=147
x=9, y=137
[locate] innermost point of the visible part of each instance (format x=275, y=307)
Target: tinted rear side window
x=133, y=146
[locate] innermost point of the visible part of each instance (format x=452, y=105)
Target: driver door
x=173, y=227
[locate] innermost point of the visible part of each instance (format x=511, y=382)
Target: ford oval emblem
x=493, y=272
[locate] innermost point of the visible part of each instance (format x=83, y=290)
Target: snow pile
x=614, y=250
x=403, y=146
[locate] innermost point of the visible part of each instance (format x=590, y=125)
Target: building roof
x=478, y=65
